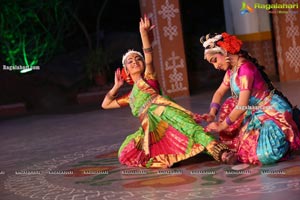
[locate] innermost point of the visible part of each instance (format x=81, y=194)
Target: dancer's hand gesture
x=145, y=25
x=119, y=81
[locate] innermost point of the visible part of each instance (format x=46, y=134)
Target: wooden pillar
x=287, y=35
x=253, y=27
x=168, y=46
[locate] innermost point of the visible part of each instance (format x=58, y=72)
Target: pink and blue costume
x=266, y=132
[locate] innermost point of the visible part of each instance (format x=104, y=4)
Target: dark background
x=63, y=76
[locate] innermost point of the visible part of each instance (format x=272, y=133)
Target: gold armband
x=147, y=50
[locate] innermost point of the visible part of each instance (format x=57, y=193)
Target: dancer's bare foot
x=229, y=157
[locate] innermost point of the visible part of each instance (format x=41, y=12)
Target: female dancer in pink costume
x=257, y=120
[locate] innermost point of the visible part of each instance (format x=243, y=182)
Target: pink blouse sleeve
x=152, y=80
x=226, y=79
x=246, y=76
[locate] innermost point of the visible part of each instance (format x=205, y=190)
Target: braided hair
x=261, y=69
x=295, y=110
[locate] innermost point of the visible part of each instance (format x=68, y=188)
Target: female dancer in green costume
x=168, y=132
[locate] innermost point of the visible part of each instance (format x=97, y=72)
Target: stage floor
x=73, y=155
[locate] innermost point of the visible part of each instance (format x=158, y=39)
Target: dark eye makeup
x=213, y=60
x=137, y=58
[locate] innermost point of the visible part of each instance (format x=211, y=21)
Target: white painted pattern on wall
x=293, y=53
x=157, y=43
x=168, y=11
x=173, y=63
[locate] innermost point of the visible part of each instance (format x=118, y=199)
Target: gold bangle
x=147, y=50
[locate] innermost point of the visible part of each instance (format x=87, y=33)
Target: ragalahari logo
x=246, y=8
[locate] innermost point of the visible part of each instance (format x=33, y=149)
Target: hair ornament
x=229, y=43
x=126, y=76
